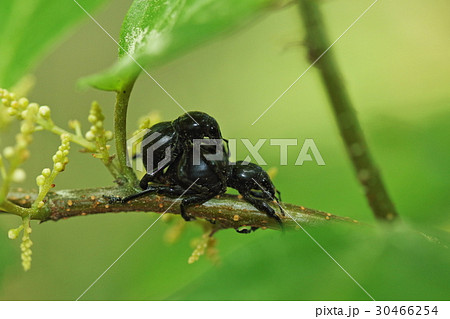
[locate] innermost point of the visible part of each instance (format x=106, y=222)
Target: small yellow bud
x=65, y=138
x=23, y=102
x=59, y=166
x=12, y=112
x=33, y=107
x=44, y=111
x=26, y=128
x=90, y=136
x=46, y=172
x=74, y=124
x=109, y=135
x=92, y=118
x=40, y=180
x=41, y=204
x=5, y=102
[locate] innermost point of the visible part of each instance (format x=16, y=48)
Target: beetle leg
x=258, y=194
x=262, y=206
x=261, y=194
x=143, y=183
x=246, y=230
x=171, y=191
x=279, y=196
x=193, y=200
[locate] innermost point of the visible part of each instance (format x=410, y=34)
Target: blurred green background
x=396, y=64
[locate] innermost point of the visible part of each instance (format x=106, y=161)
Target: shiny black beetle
x=169, y=139
x=199, y=181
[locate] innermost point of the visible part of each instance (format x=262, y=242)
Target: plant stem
x=228, y=211
x=349, y=127
x=18, y=210
x=120, y=133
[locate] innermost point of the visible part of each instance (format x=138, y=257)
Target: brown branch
x=227, y=211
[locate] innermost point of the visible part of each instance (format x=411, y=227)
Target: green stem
x=349, y=127
x=120, y=133
x=75, y=138
x=14, y=209
x=15, y=163
x=106, y=158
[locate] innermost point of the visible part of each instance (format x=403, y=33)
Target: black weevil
x=198, y=182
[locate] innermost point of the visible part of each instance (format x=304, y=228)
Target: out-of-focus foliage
x=28, y=28
x=154, y=31
x=395, y=63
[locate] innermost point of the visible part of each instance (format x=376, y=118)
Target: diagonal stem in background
x=358, y=150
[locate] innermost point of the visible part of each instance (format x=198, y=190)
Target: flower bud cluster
x=205, y=243
x=26, y=244
x=60, y=159
x=97, y=130
x=19, y=108
x=45, y=180
x=145, y=122
x=19, y=153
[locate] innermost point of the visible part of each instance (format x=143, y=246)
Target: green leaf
x=28, y=28
x=156, y=31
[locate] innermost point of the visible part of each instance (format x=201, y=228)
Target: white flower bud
x=8, y=152
x=44, y=111
x=13, y=233
x=19, y=175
